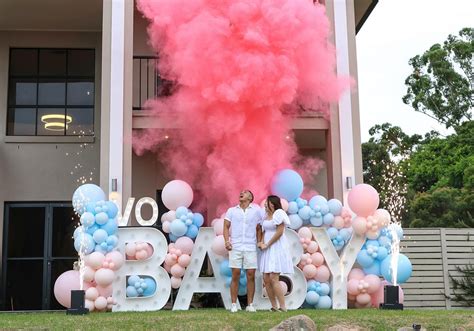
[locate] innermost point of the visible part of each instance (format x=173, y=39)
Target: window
x=51, y=92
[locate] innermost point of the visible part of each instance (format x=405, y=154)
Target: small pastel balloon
x=323, y=274
x=88, y=274
x=353, y=287
x=168, y=216
x=218, y=246
x=166, y=226
x=89, y=305
x=284, y=287
x=101, y=218
x=116, y=258
x=175, y=282
x=91, y=294
x=94, y=260
x=141, y=255
x=100, y=303
x=324, y=302
x=310, y=271
x=317, y=259
x=177, y=271
x=312, y=247
x=284, y=204
x=104, y=277
x=338, y=222
x=312, y=298
x=373, y=282
x=184, y=260
x=305, y=233
x=359, y=224
x=363, y=298
x=131, y=249
x=372, y=234
x=356, y=273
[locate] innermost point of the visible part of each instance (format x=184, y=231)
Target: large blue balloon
x=324, y=302
x=178, y=228
x=84, y=194
x=192, y=231
x=84, y=243
x=312, y=298
x=335, y=207
x=404, y=269
x=364, y=259
x=150, y=286
x=181, y=211
x=324, y=289
x=317, y=200
x=110, y=227
x=287, y=184
x=374, y=269
x=100, y=236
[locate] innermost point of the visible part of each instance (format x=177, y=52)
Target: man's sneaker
x=233, y=308
x=250, y=308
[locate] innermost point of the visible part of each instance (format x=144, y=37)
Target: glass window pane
x=22, y=92
x=52, y=62
x=82, y=122
x=21, y=121
x=51, y=122
x=80, y=93
x=24, y=288
x=64, y=224
x=81, y=62
x=52, y=92
x=26, y=231
x=24, y=62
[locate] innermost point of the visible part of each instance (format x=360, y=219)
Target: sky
x=396, y=31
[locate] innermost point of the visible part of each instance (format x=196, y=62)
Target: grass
x=219, y=319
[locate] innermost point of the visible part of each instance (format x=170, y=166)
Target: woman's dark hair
x=275, y=201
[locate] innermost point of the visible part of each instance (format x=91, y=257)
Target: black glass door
x=37, y=248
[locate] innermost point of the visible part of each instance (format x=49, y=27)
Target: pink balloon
x=322, y=274
x=185, y=245
x=218, y=227
x=284, y=287
x=94, y=260
x=166, y=226
x=131, y=249
x=100, y=303
x=184, y=260
x=92, y=293
x=175, y=282
x=117, y=258
x=312, y=247
x=63, y=286
x=177, y=193
x=372, y=234
x=105, y=291
x=359, y=225
x=317, y=259
x=305, y=233
x=374, y=283
x=87, y=285
x=353, y=287
x=338, y=222
x=363, y=199
x=141, y=255
x=169, y=216
x=104, y=277
x=218, y=246
x=383, y=217
x=110, y=300
x=88, y=274
x=363, y=298
x=89, y=305
x=149, y=249
x=309, y=271
x=177, y=271
x=167, y=267
x=170, y=260
x=356, y=273
x=284, y=204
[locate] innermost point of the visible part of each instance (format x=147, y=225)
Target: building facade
x=73, y=79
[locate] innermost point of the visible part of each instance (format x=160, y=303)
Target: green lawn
x=219, y=319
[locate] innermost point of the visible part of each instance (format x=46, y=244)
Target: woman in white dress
x=275, y=258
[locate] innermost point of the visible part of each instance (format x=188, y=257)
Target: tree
x=441, y=85
x=464, y=286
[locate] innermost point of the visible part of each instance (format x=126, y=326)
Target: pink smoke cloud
x=237, y=64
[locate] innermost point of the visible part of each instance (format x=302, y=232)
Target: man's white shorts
x=241, y=259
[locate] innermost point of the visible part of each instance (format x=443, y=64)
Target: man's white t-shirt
x=243, y=224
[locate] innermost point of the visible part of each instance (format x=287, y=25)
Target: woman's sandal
x=275, y=309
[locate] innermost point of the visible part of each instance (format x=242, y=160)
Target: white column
x=345, y=102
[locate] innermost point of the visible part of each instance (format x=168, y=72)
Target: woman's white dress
x=276, y=258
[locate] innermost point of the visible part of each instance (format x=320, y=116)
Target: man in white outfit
x=244, y=221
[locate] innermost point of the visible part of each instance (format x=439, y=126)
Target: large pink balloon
x=104, y=277
x=218, y=226
x=177, y=193
x=185, y=244
x=363, y=199
x=363, y=299
x=117, y=258
x=218, y=246
x=63, y=286
x=323, y=274
x=377, y=297
x=356, y=273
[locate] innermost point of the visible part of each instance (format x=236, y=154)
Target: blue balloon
x=324, y=209
x=335, y=207
x=301, y=202
x=100, y=236
x=316, y=221
x=317, y=200
x=192, y=231
x=295, y=221
x=101, y=218
x=90, y=208
x=84, y=243
x=287, y=184
x=324, y=302
x=364, y=259
x=374, y=269
x=311, y=285
x=304, y=213
x=332, y=232
x=112, y=240
x=328, y=219
x=224, y=269
x=198, y=219
x=140, y=291
x=292, y=207
x=77, y=231
x=112, y=209
x=382, y=253
x=242, y=290
x=181, y=211
x=183, y=218
x=101, y=248
x=132, y=292
x=178, y=228
x=404, y=269
x=133, y=279
x=150, y=288
x=87, y=219
x=312, y=298
x=110, y=227
x=374, y=243
x=173, y=238
x=243, y=281
x=93, y=228
x=345, y=233
x=324, y=289
x=85, y=194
